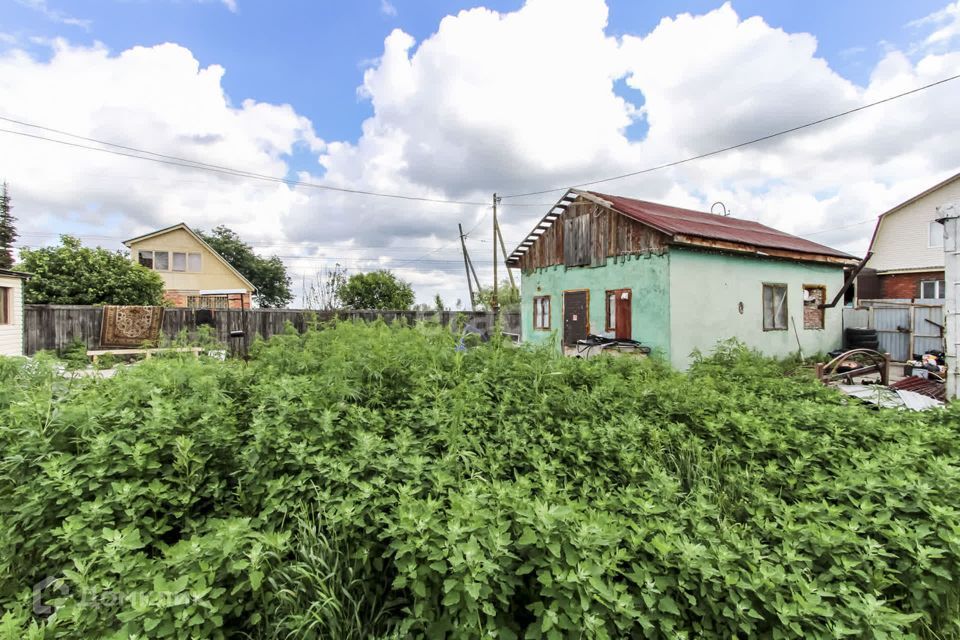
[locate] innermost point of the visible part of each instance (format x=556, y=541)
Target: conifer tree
x=8, y=232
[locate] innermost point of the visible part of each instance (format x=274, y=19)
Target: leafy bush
x=374, y=481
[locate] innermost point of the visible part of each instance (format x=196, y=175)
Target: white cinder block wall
x=11, y=333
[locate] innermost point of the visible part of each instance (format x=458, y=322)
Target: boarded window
x=6, y=298
x=193, y=262
x=161, y=260
x=814, y=295
x=576, y=241
x=146, y=259
x=775, y=307
x=179, y=261
x=541, y=312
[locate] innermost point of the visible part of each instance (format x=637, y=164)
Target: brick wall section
x=905, y=285
x=176, y=298
x=812, y=313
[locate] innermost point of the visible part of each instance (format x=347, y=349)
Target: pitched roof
x=674, y=220
x=195, y=236
x=685, y=226
x=908, y=202
x=15, y=274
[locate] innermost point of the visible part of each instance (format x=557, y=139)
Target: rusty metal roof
x=930, y=388
x=674, y=221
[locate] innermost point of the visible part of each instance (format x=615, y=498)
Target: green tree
x=74, y=274
x=438, y=302
x=268, y=275
x=376, y=290
x=8, y=233
x=508, y=297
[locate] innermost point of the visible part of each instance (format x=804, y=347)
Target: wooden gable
x=586, y=234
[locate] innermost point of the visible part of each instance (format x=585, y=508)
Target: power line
x=742, y=144
x=849, y=226
x=191, y=164
x=196, y=164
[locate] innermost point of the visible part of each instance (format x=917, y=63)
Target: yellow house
x=194, y=275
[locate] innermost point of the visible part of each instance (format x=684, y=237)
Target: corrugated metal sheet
x=929, y=388
x=674, y=220
x=927, y=329
x=893, y=331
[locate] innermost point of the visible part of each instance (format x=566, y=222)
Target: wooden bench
x=96, y=353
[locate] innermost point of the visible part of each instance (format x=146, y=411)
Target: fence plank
x=56, y=327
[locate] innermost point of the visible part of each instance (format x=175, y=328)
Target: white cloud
x=55, y=15
x=454, y=117
x=945, y=24
x=231, y=5
x=387, y=8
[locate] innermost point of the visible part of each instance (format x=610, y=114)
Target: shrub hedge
x=369, y=480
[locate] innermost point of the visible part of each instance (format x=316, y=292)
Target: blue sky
x=461, y=99
x=311, y=53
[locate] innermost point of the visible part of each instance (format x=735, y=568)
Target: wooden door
x=575, y=322
x=624, y=314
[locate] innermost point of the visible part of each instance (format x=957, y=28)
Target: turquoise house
x=675, y=279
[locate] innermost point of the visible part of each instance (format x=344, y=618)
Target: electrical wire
x=741, y=144
x=206, y=166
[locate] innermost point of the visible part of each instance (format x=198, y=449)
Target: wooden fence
x=56, y=327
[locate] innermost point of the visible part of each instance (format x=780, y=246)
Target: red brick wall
x=905, y=285
x=176, y=298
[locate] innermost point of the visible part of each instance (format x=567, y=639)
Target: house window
x=179, y=261
x=193, y=262
x=541, y=312
x=146, y=259
x=611, y=311
x=814, y=295
x=935, y=238
x=161, y=260
x=774, y=307
x=6, y=296
x=208, y=302
x=933, y=289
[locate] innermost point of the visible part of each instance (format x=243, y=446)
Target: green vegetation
x=8, y=231
x=268, y=275
x=372, y=481
x=375, y=290
x=74, y=274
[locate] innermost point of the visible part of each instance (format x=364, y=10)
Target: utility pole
x=949, y=216
x=494, y=305
x=466, y=267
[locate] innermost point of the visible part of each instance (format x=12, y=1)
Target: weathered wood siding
x=56, y=327
x=588, y=234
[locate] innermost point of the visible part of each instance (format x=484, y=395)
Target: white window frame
x=541, y=313
x=156, y=266
x=199, y=258
x=939, y=289
x=6, y=302
x=140, y=254
x=173, y=261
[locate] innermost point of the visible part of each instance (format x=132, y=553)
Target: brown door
x=624, y=314
x=575, y=324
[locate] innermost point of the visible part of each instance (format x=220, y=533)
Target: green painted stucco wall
x=648, y=276
x=707, y=288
